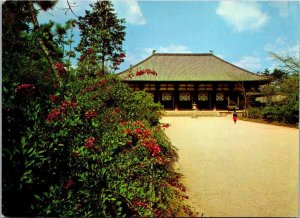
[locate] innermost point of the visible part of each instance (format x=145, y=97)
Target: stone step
x=207, y=114
x=191, y=114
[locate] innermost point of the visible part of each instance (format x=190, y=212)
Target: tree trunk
x=41, y=43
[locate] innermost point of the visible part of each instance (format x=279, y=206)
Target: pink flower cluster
x=151, y=146
x=25, y=90
x=69, y=184
x=73, y=104
x=60, y=67
x=119, y=60
x=54, y=98
x=89, y=142
x=166, y=125
x=90, y=114
x=87, y=53
x=146, y=140
x=94, y=86
x=145, y=71
x=25, y=86
x=54, y=114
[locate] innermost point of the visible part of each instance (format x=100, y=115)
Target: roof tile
x=189, y=67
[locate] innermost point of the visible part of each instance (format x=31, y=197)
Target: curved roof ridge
x=192, y=67
x=182, y=54
x=236, y=66
x=124, y=71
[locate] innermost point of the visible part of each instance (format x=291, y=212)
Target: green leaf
x=23, y=141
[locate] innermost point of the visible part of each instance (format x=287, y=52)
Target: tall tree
x=102, y=33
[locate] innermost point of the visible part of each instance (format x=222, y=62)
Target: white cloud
x=130, y=10
x=283, y=47
x=143, y=53
x=242, y=15
x=132, y=59
x=251, y=63
x=169, y=49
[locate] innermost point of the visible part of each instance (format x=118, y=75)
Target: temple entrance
x=204, y=100
x=234, y=99
x=167, y=100
x=221, y=100
x=185, y=101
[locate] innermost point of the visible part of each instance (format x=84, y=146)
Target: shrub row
x=99, y=150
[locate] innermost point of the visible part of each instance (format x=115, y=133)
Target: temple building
x=178, y=81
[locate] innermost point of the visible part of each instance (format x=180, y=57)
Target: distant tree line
x=281, y=95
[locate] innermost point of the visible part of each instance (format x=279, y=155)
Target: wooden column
x=215, y=97
x=176, y=96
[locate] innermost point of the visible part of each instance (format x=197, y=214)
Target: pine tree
x=102, y=35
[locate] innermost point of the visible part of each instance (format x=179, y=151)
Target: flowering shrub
x=26, y=87
x=60, y=68
x=98, y=151
x=54, y=98
x=145, y=71
x=25, y=91
x=89, y=142
x=90, y=114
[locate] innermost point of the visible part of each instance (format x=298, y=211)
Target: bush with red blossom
x=90, y=114
x=104, y=149
x=54, y=98
x=25, y=90
x=25, y=87
x=146, y=71
x=89, y=142
x=69, y=184
x=60, y=68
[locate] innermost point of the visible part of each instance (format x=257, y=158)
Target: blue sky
x=241, y=32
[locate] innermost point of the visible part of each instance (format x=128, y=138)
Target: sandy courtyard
x=243, y=169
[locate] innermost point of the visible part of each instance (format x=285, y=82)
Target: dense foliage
x=281, y=96
x=96, y=153
x=87, y=146
x=102, y=33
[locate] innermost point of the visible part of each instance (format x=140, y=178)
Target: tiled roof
x=189, y=67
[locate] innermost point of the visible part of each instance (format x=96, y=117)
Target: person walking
x=234, y=115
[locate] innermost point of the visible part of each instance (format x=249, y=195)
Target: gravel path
x=243, y=169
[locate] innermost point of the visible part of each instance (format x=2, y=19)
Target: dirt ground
x=244, y=169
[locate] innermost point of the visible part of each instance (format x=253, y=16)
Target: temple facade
x=178, y=81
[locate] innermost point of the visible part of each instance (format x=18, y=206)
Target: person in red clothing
x=234, y=115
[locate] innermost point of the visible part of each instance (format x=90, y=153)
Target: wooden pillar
x=157, y=92
x=173, y=97
x=176, y=97
x=238, y=101
x=215, y=96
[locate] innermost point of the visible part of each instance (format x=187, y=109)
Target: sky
x=240, y=32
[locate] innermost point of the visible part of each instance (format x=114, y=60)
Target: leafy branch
x=41, y=42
